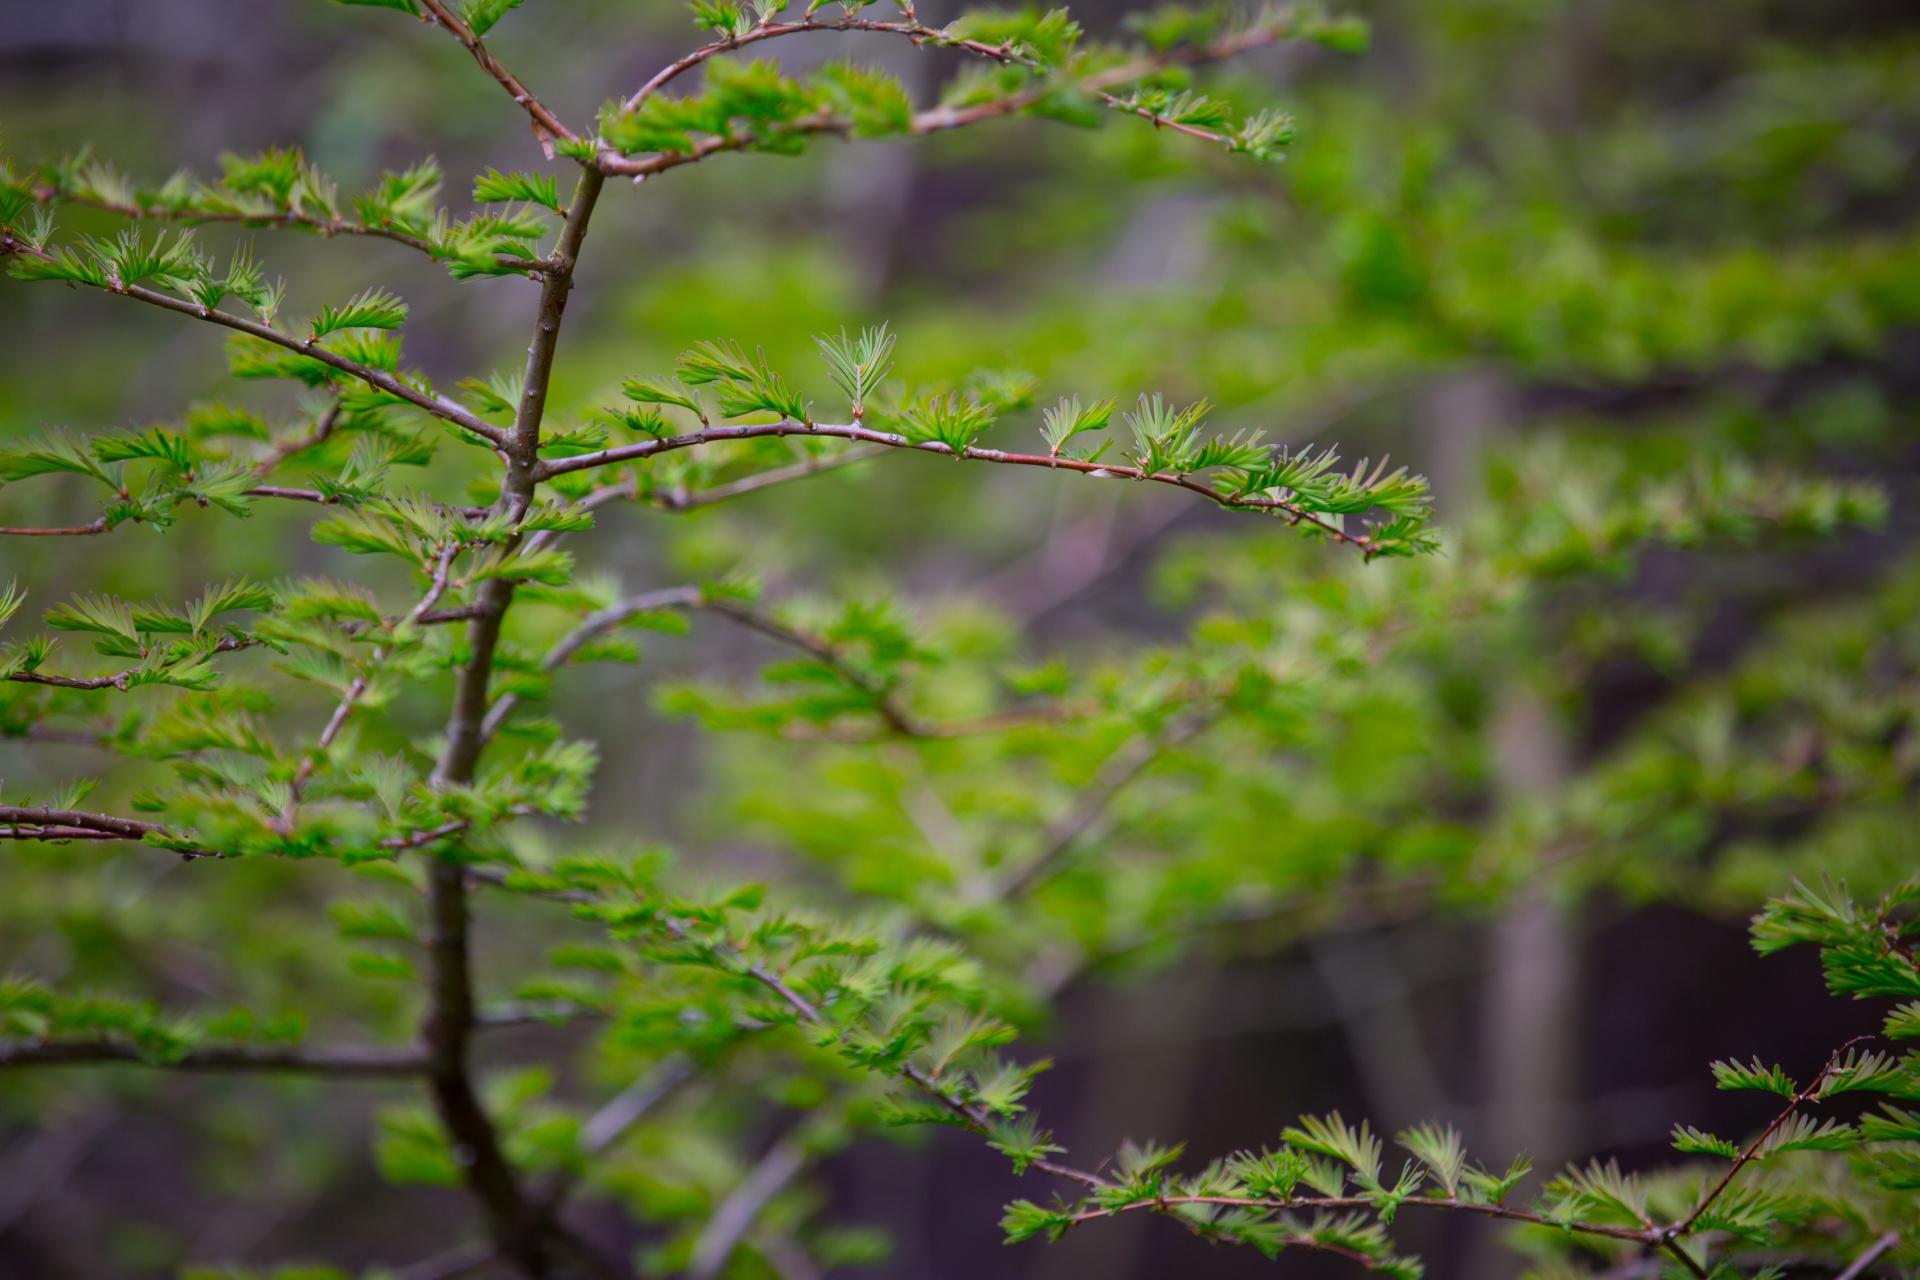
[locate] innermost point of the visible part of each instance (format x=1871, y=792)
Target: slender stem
x=1162, y=1203
x=689, y=500
x=1113, y=777
x=70, y=531
x=1752, y=1151
x=780, y=1166
x=941, y=118
x=546, y=125
x=590, y=626
x=121, y=680
x=437, y=587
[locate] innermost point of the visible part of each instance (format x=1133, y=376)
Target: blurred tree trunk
x=1530, y=985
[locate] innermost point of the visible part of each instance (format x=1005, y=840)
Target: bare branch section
x=780, y=1166
x=346, y=1063
x=31, y=823
x=1292, y=512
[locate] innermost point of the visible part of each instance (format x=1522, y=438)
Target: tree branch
x=1752, y=1150
x=1113, y=777
x=685, y=500
x=362, y=1063
x=546, y=125
x=592, y=625
x=380, y=379
x=942, y=118
x=1290, y=511
x=436, y=588
x=71, y=531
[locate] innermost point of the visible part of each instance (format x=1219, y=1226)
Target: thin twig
x=546, y=125
x=1753, y=1148
x=718, y=1239
x=456, y=1261
x=69, y=531
x=691, y=500
x=442, y=570
x=121, y=680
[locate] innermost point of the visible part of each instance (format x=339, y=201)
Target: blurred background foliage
x=1636, y=281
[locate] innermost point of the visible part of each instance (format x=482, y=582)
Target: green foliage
x=1317, y=725
x=533, y=188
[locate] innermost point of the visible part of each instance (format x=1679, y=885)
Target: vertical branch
x=522, y=452
x=521, y=1230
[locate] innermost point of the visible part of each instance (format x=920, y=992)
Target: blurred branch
x=942, y=118
x=718, y=1239
x=1113, y=776
x=689, y=500
x=326, y=1062
x=1860, y=1264
x=456, y=1261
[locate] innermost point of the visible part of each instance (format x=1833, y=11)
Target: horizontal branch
x=1293, y=512
x=370, y=1063
x=70, y=531
x=36, y=823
